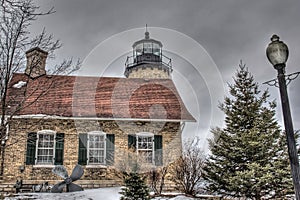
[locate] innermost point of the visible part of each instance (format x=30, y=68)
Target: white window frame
x=45, y=132
x=96, y=133
x=147, y=135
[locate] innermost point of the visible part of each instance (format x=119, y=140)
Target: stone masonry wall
x=148, y=72
x=15, y=153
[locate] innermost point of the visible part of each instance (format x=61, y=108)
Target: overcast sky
x=226, y=31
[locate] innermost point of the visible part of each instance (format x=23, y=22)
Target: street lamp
x=277, y=53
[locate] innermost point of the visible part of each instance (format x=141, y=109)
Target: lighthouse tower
x=148, y=60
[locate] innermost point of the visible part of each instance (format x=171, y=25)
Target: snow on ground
x=92, y=194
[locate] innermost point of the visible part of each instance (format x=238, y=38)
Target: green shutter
x=132, y=142
x=132, y=147
x=31, y=147
x=59, y=149
x=158, y=150
x=110, y=149
x=82, y=152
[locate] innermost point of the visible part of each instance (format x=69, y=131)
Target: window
x=96, y=148
x=147, y=145
x=147, y=47
x=139, y=49
x=45, y=147
x=156, y=49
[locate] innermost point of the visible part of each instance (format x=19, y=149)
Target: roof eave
x=42, y=116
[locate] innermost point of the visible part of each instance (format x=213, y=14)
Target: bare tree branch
x=16, y=16
x=187, y=170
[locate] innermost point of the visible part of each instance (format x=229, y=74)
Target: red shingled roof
x=105, y=97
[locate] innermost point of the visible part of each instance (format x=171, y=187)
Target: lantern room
x=147, y=60
x=147, y=50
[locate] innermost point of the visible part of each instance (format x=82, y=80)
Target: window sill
x=96, y=166
x=43, y=166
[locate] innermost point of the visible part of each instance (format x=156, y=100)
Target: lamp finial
x=275, y=38
x=147, y=33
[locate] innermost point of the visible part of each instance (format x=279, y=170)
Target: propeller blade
x=61, y=171
x=74, y=188
x=77, y=173
x=59, y=187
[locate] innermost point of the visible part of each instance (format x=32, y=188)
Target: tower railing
x=165, y=61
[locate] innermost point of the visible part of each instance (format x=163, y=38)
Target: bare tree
x=16, y=16
x=157, y=178
x=186, y=172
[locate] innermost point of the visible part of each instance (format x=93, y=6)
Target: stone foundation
x=8, y=188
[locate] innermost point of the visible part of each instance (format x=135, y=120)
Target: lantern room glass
x=138, y=50
x=156, y=49
x=147, y=47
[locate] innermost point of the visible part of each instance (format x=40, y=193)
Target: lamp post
x=277, y=53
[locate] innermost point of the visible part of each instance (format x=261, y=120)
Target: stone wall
x=15, y=153
x=148, y=72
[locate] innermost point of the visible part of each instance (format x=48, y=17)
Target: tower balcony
x=150, y=61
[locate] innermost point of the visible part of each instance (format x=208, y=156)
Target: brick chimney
x=36, y=62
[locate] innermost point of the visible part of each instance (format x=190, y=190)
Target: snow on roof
x=19, y=84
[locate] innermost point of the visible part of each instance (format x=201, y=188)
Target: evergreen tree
x=249, y=156
x=135, y=187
